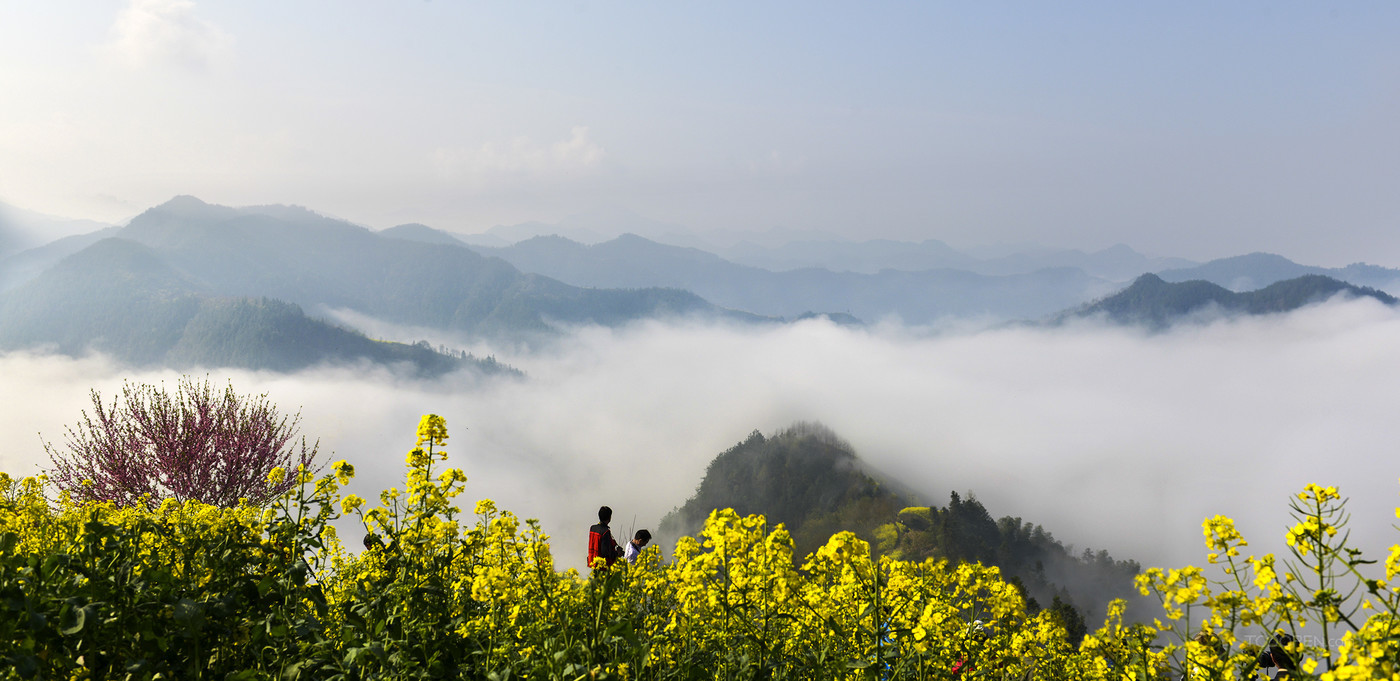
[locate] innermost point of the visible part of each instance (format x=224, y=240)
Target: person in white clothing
x=634, y=547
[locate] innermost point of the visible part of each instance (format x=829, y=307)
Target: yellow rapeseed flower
x=432, y=429
x=343, y=471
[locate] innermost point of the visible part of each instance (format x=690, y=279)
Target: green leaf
x=78, y=617
x=294, y=670
x=277, y=630
x=51, y=564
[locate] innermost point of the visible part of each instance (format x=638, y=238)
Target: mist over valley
x=1110, y=437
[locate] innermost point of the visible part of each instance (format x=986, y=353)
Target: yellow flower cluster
x=431, y=596
x=1221, y=536
x=1323, y=592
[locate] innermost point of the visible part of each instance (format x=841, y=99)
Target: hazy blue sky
x=1195, y=129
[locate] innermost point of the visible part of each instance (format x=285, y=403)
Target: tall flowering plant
x=1317, y=606
x=198, y=444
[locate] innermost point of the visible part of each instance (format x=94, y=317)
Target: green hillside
x=804, y=477
x=810, y=480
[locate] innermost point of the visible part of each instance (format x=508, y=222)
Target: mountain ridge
x=1156, y=303
x=188, y=262
x=1259, y=269
x=317, y=261
x=914, y=297
x=415, y=275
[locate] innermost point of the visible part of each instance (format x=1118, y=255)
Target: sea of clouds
x=1111, y=438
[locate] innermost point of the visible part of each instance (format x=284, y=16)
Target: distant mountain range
x=915, y=297
x=590, y=228
x=1025, y=285
x=1118, y=263
x=29, y=264
x=189, y=283
x=781, y=249
x=172, y=285
x=1257, y=270
x=120, y=298
x=22, y=229
x=1157, y=303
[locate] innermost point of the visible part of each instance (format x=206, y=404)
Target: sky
x=1110, y=438
x=1192, y=129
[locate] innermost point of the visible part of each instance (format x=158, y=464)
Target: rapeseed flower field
x=191, y=591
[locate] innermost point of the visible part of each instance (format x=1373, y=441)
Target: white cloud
x=151, y=32
x=522, y=157
x=1108, y=437
x=578, y=150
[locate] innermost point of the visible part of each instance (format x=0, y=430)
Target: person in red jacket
x=600, y=540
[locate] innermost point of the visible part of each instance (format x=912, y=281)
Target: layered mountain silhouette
x=781, y=249
x=295, y=255
x=189, y=282
x=118, y=297
x=915, y=297
x=168, y=286
x=28, y=264
x=22, y=229
x=1257, y=270
x=1118, y=263
x=874, y=279
x=1154, y=302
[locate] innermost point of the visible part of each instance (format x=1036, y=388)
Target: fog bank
x=1108, y=437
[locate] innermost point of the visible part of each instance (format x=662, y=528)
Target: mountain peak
x=1148, y=280
x=187, y=207
x=183, y=202
x=415, y=231
x=1261, y=256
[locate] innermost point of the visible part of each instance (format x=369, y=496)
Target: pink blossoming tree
x=198, y=444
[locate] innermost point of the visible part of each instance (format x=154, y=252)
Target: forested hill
x=810, y=480
x=1156, y=303
x=805, y=477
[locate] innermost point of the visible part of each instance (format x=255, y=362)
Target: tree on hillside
x=805, y=477
x=199, y=444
